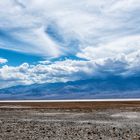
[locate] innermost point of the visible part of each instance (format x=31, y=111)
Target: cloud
x=55, y=28
x=69, y=70
x=60, y=71
x=3, y=61
x=123, y=45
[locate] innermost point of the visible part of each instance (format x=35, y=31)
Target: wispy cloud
x=54, y=28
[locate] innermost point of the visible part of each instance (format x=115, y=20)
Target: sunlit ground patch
x=128, y=115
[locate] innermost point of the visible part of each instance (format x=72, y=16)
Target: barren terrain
x=70, y=121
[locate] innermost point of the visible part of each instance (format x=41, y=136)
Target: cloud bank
x=69, y=70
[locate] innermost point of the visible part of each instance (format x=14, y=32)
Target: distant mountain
x=111, y=87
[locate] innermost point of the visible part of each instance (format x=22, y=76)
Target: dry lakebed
x=106, y=120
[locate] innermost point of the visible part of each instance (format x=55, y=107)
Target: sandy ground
x=70, y=121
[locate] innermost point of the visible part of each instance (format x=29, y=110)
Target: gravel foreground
x=27, y=123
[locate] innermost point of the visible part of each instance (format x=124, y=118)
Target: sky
x=66, y=40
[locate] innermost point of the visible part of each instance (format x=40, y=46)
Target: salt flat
x=109, y=120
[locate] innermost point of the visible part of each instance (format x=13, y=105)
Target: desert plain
x=106, y=120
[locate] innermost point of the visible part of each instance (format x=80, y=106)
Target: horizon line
x=73, y=100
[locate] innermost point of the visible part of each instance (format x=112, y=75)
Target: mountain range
x=95, y=88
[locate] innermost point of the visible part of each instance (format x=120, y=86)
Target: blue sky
x=66, y=40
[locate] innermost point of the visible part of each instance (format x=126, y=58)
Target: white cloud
x=3, y=60
x=69, y=70
x=89, y=22
x=124, y=45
